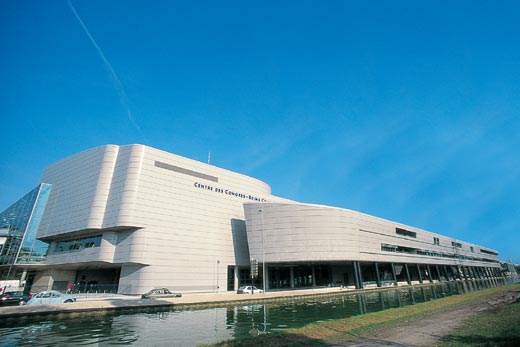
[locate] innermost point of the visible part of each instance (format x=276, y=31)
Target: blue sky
x=405, y=110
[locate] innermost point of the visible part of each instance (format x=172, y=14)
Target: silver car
x=51, y=297
x=158, y=293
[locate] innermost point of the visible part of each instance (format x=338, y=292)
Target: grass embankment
x=325, y=333
x=499, y=327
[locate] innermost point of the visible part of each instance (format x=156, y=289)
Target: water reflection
x=190, y=328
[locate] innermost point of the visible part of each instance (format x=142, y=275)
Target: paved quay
x=107, y=302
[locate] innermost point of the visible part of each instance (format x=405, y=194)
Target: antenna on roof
x=209, y=157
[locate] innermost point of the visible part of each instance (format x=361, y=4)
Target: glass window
x=404, y=232
x=485, y=251
x=77, y=244
x=19, y=224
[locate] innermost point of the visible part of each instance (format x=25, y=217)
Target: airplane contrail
x=113, y=75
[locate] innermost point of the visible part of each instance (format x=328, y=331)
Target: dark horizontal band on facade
x=185, y=171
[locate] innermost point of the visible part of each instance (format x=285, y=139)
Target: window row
x=488, y=252
x=77, y=244
x=409, y=250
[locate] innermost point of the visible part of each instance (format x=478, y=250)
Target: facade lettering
x=228, y=192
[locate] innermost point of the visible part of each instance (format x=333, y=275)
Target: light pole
x=218, y=264
x=263, y=252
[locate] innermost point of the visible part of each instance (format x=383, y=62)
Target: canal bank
x=103, y=302
x=97, y=303
x=195, y=325
x=490, y=317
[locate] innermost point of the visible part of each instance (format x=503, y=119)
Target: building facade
x=130, y=218
x=133, y=217
x=307, y=245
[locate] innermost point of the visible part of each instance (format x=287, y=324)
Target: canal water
x=193, y=327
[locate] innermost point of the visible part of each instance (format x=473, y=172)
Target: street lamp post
x=218, y=265
x=263, y=252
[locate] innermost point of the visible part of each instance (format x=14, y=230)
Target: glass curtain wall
x=18, y=227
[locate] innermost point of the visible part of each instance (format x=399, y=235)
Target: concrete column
x=408, y=279
x=419, y=272
x=378, y=279
x=291, y=276
x=313, y=277
x=236, y=280
x=446, y=274
x=393, y=274
x=357, y=275
x=360, y=275
x=266, y=278
x=438, y=273
x=462, y=273
x=429, y=272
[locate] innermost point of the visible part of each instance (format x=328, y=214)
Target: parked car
x=51, y=297
x=249, y=290
x=158, y=293
x=14, y=298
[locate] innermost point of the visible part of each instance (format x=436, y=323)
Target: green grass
x=323, y=334
x=498, y=328
x=277, y=339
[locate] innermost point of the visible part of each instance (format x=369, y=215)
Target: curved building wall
x=192, y=222
x=164, y=219
x=294, y=232
x=81, y=185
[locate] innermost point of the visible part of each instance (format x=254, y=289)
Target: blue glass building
x=19, y=223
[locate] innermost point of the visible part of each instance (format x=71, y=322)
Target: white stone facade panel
x=80, y=189
x=295, y=232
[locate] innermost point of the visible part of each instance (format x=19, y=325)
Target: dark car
x=14, y=298
x=158, y=293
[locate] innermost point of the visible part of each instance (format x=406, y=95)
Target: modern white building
x=308, y=245
x=130, y=218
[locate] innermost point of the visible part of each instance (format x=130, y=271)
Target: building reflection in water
x=204, y=326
